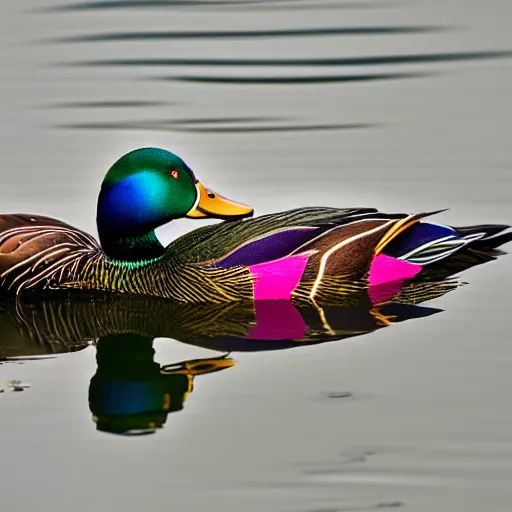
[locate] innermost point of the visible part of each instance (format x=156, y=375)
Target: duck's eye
x=175, y=174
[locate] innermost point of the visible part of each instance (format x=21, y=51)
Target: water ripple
x=107, y=104
x=189, y=126
x=245, y=4
x=372, y=60
x=245, y=34
x=268, y=80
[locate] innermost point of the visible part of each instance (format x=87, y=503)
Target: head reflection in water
x=132, y=394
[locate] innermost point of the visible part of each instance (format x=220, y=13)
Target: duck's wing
x=360, y=232
x=266, y=238
x=323, y=253
x=35, y=250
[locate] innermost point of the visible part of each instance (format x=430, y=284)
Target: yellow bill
x=213, y=206
x=199, y=366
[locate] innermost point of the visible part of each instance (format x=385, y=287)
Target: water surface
x=401, y=106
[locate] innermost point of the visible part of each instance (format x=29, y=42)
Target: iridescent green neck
x=134, y=251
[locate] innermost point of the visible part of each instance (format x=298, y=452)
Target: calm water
x=398, y=105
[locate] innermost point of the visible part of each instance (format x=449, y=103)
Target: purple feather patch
x=271, y=247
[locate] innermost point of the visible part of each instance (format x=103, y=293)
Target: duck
x=307, y=255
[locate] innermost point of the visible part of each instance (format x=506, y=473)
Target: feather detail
x=345, y=250
x=494, y=235
x=42, y=255
x=276, y=280
x=272, y=246
x=385, y=269
x=212, y=243
x=400, y=227
x=426, y=243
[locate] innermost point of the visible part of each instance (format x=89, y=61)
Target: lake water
x=405, y=106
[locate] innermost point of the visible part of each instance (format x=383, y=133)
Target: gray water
x=415, y=416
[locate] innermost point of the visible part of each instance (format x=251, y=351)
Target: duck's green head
x=147, y=188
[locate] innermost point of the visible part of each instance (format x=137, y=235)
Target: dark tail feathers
x=495, y=235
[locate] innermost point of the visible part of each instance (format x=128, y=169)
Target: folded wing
x=35, y=251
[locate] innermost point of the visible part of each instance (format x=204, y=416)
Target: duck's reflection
x=130, y=393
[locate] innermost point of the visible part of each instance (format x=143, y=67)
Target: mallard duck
x=307, y=254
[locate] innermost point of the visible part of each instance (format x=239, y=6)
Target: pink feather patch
x=386, y=269
x=277, y=320
x=387, y=276
x=275, y=280
x=383, y=292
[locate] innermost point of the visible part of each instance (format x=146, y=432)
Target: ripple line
x=374, y=60
x=294, y=80
x=213, y=129
x=106, y=104
x=244, y=34
x=268, y=4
